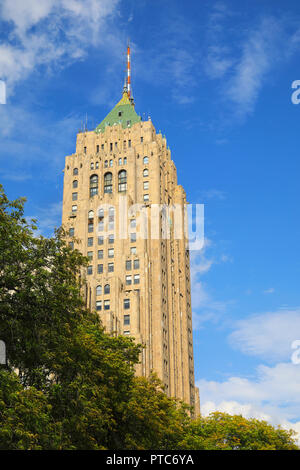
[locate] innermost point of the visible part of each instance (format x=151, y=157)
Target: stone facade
x=118, y=186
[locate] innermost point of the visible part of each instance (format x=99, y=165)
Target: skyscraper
x=120, y=191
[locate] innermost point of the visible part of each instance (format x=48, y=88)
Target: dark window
x=110, y=267
x=74, y=196
x=100, y=240
x=75, y=171
x=133, y=237
x=97, y=149
x=126, y=304
x=111, y=146
x=100, y=254
x=98, y=305
x=93, y=185
x=122, y=181
x=111, y=238
x=126, y=319
x=90, y=270
x=71, y=232
x=75, y=184
x=84, y=149
x=107, y=289
x=90, y=241
x=136, y=264
x=99, y=290
x=108, y=183
x=128, y=265
x=100, y=268
x=71, y=245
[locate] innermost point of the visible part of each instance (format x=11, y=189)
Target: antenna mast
x=128, y=71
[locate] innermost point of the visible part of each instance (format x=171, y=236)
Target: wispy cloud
x=268, y=335
x=271, y=290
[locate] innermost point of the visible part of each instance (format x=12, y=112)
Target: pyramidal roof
x=123, y=113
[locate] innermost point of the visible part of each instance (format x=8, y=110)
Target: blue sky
x=215, y=77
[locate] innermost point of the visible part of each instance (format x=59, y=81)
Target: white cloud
x=271, y=290
x=48, y=32
x=268, y=335
x=272, y=395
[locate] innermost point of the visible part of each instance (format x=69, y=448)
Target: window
x=129, y=143
x=126, y=304
x=133, y=250
x=98, y=305
x=108, y=183
x=125, y=161
x=102, y=146
x=71, y=232
x=110, y=163
x=146, y=160
x=106, y=305
x=133, y=223
x=111, y=238
x=101, y=213
x=124, y=144
x=74, y=196
x=146, y=172
x=93, y=185
x=90, y=270
x=106, y=164
x=146, y=197
x=71, y=245
x=126, y=319
x=110, y=267
x=75, y=171
x=111, y=214
x=128, y=265
x=107, y=289
x=128, y=123
x=92, y=165
x=84, y=149
x=100, y=254
x=133, y=237
x=74, y=208
x=128, y=280
x=120, y=161
x=90, y=241
x=100, y=268
x=111, y=253
x=90, y=215
x=126, y=332
x=136, y=279
x=122, y=181
x=90, y=255
x=136, y=264
x=142, y=139
x=75, y=184
x=99, y=290
x=120, y=113
x=97, y=149
x=110, y=146
x=100, y=240
x=97, y=165
x=91, y=226
x=146, y=184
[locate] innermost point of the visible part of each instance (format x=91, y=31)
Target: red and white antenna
x=128, y=71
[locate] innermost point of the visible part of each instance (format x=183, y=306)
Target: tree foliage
x=70, y=385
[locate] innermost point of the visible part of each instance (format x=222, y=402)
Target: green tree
x=221, y=431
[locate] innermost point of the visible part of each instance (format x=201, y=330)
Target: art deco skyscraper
x=118, y=187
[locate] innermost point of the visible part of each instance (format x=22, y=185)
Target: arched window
x=111, y=213
x=99, y=290
x=91, y=221
x=91, y=214
x=93, y=185
x=122, y=181
x=108, y=183
x=101, y=213
x=106, y=164
x=110, y=163
x=120, y=161
x=75, y=171
x=146, y=160
x=146, y=172
x=125, y=161
x=75, y=184
x=107, y=289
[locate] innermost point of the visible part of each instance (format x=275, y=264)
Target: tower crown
x=123, y=113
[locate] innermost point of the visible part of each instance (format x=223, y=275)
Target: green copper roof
x=123, y=113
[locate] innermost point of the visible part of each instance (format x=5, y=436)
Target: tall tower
x=119, y=187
